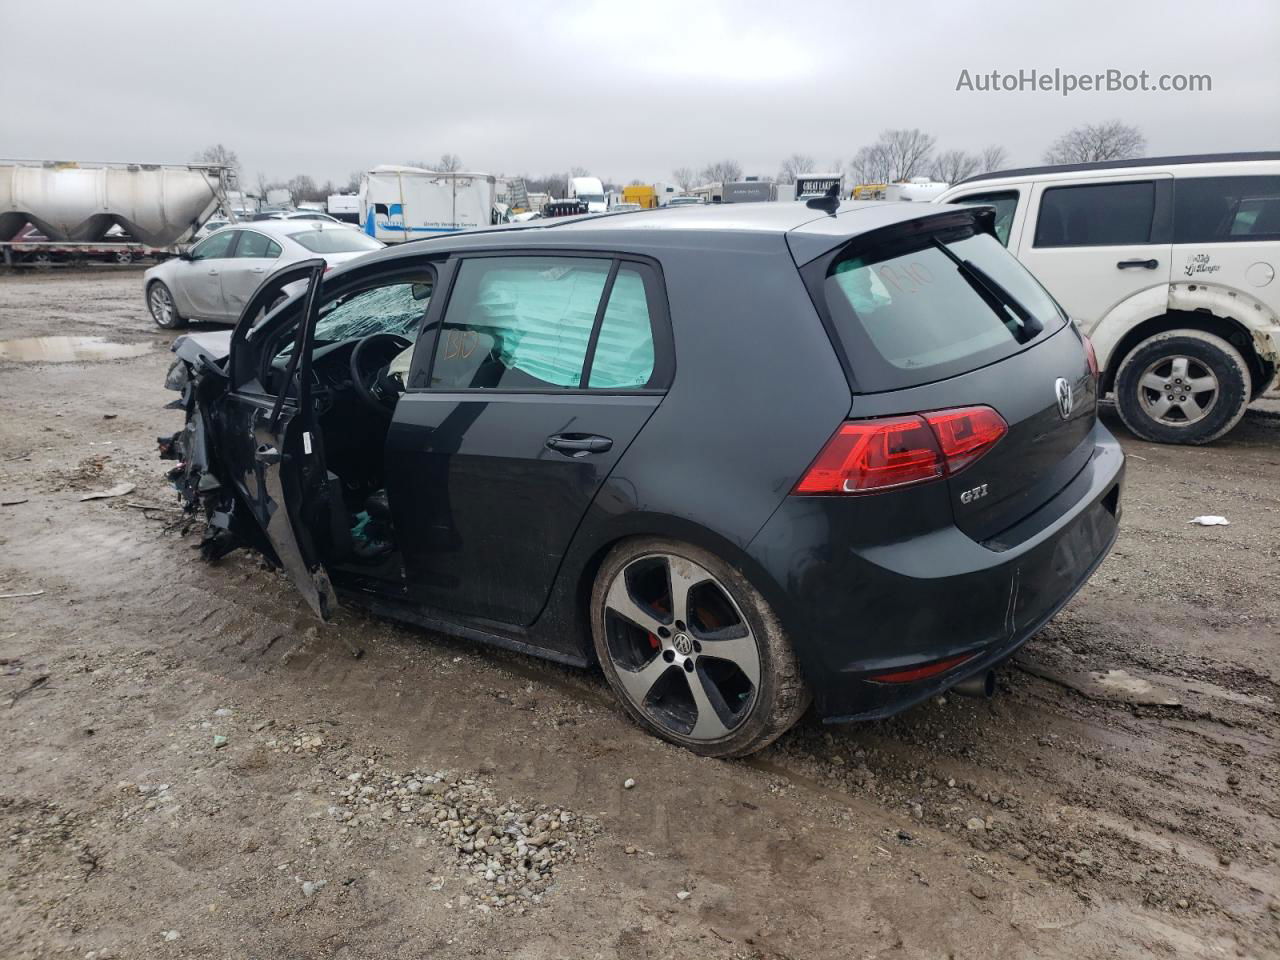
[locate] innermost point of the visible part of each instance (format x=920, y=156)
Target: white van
x=1169, y=265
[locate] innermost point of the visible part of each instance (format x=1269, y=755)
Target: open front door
x=278, y=454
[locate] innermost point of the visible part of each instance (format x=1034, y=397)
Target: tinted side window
x=1218, y=209
x=255, y=245
x=1006, y=204
x=519, y=323
x=623, y=359
x=215, y=246
x=1096, y=215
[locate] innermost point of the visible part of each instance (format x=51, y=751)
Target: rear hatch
x=934, y=314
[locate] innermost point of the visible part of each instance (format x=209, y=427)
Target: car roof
x=809, y=231
x=285, y=228
x=1138, y=162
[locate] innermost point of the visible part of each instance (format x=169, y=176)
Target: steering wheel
x=369, y=361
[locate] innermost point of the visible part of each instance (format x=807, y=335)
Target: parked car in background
x=209, y=226
x=684, y=200
x=1169, y=264
x=625, y=208
x=586, y=444
x=214, y=279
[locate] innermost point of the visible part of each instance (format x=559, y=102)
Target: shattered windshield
x=395, y=308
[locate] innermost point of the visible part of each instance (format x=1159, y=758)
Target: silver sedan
x=215, y=278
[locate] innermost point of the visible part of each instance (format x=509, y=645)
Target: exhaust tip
x=982, y=685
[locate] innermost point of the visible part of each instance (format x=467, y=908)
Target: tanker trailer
x=118, y=210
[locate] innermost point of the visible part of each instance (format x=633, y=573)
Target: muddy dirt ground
x=190, y=767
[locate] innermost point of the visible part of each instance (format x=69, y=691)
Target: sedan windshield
x=341, y=240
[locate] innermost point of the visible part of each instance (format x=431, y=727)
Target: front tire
x=163, y=310
x=692, y=650
x=1183, y=386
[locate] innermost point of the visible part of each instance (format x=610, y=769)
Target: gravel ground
x=193, y=768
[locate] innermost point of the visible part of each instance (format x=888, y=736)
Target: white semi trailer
x=399, y=203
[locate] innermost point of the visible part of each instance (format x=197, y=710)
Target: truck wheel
x=41, y=261
x=123, y=256
x=1183, y=386
x=692, y=650
x=163, y=311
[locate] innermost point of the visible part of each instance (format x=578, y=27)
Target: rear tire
x=722, y=636
x=163, y=310
x=1183, y=386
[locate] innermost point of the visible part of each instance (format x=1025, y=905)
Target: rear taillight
x=913, y=674
x=1090, y=355
x=867, y=456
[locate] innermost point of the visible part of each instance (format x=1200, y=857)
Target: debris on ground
x=119, y=490
x=1210, y=521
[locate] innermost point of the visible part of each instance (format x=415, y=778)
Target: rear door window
x=907, y=314
x=534, y=323
x=256, y=246
x=1096, y=215
x=1226, y=209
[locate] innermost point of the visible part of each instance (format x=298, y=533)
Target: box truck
x=590, y=191
x=408, y=203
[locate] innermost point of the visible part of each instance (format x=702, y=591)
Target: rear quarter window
x=1226, y=209
x=905, y=314
x=1096, y=215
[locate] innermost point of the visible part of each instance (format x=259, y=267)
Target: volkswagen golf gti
x=744, y=458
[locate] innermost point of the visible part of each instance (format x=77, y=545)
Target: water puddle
x=69, y=349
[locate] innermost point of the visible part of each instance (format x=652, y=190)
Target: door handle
x=213, y=273
x=1146, y=264
x=257, y=270
x=578, y=444
x=268, y=454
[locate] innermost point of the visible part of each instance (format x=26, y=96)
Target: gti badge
x=977, y=493
x=1066, y=399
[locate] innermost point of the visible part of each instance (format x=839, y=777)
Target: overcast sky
x=627, y=90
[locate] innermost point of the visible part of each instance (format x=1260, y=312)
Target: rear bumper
x=854, y=609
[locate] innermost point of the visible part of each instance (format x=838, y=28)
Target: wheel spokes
x=1191, y=409
x=682, y=576
x=1153, y=381
x=620, y=601
x=740, y=651
x=1161, y=406
x=1202, y=384
x=709, y=724
x=1179, y=368
x=639, y=683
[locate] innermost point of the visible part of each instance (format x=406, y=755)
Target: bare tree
x=722, y=171
x=684, y=177
x=871, y=164
x=1111, y=140
x=897, y=155
x=992, y=158
x=952, y=166
x=263, y=186
x=303, y=188
x=449, y=163
x=218, y=154
x=579, y=172
x=353, y=182
x=795, y=165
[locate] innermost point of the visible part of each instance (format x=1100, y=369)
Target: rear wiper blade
x=994, y=293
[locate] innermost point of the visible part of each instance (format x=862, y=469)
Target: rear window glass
x=1006, y=204
x=907, y=314
x=1096, y=215
x=340, y=240
x=1226, y=209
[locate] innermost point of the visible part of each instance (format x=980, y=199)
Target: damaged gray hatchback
x=744, y=458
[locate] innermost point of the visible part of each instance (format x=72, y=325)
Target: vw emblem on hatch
x=1066, y=399
x=682, y=643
